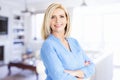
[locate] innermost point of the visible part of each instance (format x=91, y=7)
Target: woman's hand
x=79, y=79
x=77, y=73
x=87, y=63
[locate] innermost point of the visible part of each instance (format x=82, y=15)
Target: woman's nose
x=57, y=19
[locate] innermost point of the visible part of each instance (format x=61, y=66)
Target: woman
x=62, y=55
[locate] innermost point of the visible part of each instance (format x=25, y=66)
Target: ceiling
x=42, y=4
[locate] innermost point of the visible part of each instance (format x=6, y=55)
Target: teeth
x=58, y=25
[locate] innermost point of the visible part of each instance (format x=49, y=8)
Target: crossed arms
x=79, y=74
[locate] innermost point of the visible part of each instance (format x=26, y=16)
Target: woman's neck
x=59, y=36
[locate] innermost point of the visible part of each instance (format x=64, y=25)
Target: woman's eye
x=62, y=16
x=52, y=17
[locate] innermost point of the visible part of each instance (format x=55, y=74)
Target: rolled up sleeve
x=90, y=69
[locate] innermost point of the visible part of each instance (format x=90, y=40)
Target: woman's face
x=58, y=21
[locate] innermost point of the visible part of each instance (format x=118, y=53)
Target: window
x=88, y=28
x=37, y=20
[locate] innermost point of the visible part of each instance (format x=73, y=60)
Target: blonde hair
x=46, y=30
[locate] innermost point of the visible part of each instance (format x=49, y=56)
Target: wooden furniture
x=22, y=66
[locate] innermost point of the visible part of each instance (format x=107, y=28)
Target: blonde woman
x=62, y=55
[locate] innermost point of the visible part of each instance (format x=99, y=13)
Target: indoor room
x=94, y=24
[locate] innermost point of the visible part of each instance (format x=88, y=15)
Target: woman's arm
x=90, y=69
x=78, y=73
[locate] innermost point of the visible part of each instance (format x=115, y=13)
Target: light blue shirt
x=57, y=58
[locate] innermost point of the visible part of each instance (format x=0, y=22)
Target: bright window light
x=36, y=25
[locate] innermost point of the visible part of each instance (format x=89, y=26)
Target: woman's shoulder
x=73, y=41
x=48, y=42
